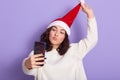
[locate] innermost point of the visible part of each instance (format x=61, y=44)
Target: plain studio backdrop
x=23, y=21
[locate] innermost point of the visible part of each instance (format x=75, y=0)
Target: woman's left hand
x=88, y=10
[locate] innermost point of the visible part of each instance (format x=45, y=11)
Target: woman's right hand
x=34, y=61
x=87, y=9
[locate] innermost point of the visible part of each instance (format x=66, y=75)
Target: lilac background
x=22, y=22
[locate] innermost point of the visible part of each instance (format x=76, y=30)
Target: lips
x=54, y=38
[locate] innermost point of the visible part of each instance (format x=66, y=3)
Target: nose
x=57, y=33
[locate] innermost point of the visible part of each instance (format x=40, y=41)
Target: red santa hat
x=67, y=20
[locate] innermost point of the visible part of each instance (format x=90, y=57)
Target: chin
x=55, y=43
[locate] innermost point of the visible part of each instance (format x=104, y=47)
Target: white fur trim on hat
x=62, y=24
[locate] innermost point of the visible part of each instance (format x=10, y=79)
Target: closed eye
x=53, y=29
x=62, y=32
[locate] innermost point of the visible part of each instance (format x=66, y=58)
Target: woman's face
x=56, y=36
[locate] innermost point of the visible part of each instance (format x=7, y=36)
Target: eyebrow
x=61, y=29
x=54, y=26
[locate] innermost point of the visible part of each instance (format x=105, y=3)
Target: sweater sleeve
x=86, y=44
x=27, y=71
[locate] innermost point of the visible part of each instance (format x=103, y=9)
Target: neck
x=55, y=46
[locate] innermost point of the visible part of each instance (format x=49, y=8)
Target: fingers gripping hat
x=67, y=20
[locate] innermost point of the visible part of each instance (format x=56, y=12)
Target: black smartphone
x=39, y=48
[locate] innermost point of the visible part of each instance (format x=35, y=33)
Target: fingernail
x=45, y=58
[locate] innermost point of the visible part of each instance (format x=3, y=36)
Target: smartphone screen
x=39, y=48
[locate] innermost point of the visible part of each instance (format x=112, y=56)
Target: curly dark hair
x=62, y=49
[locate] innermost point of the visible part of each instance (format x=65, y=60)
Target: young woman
x=62, y=61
